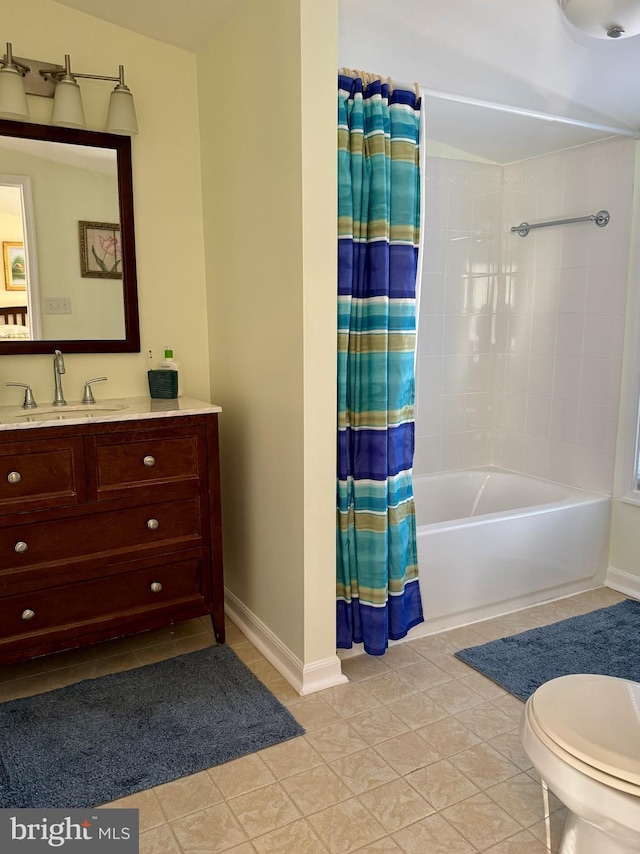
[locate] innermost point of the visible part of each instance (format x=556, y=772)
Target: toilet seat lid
x=594, y=718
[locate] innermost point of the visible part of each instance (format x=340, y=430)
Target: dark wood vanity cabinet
x=107, y=529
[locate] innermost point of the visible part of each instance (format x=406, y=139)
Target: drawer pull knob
x=14, y=477
x=20, y=547
x=149, y=461
x=156, y=587
x=28, y=614
x=153, y=524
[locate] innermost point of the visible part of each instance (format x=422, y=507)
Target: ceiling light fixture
x=603, y=19
x=22, y=77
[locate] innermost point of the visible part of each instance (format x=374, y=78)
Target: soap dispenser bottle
x=170, y=364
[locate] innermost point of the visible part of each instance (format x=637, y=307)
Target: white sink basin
x=62, y=413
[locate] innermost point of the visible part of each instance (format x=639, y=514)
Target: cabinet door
x=42, y=473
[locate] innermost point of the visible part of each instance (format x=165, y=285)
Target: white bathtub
x=492, y=541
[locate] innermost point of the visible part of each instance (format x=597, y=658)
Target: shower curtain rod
x=517, y=111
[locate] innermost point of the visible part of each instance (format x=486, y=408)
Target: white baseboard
x=304, y=678
x=623, y=582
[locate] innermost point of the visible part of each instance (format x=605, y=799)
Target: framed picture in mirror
x=100, y=250
x=15, y=268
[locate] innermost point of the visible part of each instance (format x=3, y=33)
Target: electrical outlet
x=57, y=305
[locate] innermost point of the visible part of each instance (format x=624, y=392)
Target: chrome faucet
x=58, y=370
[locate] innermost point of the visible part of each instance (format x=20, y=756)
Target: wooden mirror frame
x=122, y=146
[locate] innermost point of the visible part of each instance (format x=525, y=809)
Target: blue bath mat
x=606, y=641
x=105, y=738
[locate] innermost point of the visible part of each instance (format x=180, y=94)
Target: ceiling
x=520, y=53
x=183, y=23
x=517, y=52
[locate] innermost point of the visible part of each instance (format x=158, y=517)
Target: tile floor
x=417, y=754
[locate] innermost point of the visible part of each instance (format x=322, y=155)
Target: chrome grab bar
x=601, y=219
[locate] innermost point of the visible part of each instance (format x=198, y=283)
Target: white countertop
x=115, y=409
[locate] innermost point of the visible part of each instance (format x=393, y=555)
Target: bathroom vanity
x=110, y=522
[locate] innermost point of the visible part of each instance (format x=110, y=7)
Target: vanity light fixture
x=67, y=102
x=67, y=110
x=32, y=77
x=13, y=99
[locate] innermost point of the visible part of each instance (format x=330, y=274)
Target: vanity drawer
x=118, y=533
x=143, y=459
x=44, y=474
x=123, y=597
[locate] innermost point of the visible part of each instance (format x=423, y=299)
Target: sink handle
x=29, y=399
x=88, y=397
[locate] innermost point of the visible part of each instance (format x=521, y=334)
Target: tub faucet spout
x=58, y=370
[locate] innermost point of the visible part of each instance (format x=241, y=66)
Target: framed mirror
x=68, y=272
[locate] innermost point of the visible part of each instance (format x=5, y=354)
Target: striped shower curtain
x=378, y=597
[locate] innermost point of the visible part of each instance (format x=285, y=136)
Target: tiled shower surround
x=520, y=339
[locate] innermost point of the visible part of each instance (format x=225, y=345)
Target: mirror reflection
x=66, y=234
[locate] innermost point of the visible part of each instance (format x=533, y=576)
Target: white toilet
x=582, y=735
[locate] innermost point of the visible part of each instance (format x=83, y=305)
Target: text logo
x=97, y=831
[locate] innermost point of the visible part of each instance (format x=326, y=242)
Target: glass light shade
x=597, y=17
x=68, y=111
x=13, y=100
x=122, y=112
